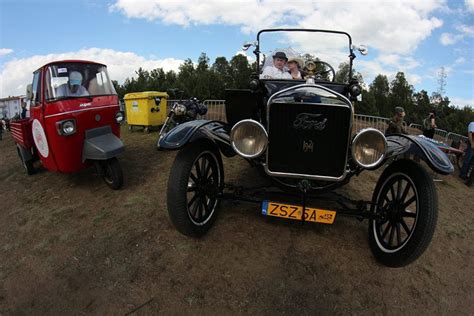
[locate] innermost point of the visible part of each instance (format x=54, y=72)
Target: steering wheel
x=318, y=74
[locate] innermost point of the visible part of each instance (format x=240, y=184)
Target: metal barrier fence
x=442, y=135
x=216, y=111
x=364, y=121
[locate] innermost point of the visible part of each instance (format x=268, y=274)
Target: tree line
x=209, y=81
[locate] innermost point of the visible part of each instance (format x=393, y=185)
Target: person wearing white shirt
x=73, y=88
x=276, y=71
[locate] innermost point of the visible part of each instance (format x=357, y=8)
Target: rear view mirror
x=247, y=45
x=361, y=48
x=29, y=92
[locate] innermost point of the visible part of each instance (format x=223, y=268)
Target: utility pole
x=442, y=81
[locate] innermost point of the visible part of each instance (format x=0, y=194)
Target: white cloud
x=389, y=65
x=449, y=39
x=460, y=60
x=389, y=26
x=469, y=5
x=250, y=58
x=16, y=73
x=462, y=102
x=5, y=51
x=466, y=29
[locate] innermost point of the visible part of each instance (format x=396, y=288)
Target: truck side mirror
x=29, y=92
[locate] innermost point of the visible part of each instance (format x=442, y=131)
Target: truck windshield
x=70, y=80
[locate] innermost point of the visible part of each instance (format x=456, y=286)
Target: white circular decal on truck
x=40, y=138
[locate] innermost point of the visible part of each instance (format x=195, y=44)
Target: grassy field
x=70, y=245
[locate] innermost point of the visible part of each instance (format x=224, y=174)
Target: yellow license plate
x=295, y=212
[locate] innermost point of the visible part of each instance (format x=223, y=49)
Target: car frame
x=299, y=133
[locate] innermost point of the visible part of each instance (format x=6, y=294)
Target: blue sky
x=417, y=37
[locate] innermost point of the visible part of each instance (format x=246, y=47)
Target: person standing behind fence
x=469, y=151
x=429, y=125
x=1, y=128
x=395, y=125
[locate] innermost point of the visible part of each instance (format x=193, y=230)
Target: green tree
x=401, y=94
x=240, y=72
x=380, y=90
x=368, y=105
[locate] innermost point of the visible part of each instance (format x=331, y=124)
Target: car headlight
x=119, y=117
x=369, y=147
x=179, y=109
x=249, y=138
x=66, y=127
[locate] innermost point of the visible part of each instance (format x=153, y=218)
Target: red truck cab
x=74, y=120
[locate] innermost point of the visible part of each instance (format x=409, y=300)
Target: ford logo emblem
x=308, y=121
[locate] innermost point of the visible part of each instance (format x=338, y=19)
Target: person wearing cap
x=395, y=125
x=277, y=70
x=73, y=88
x=294, y=65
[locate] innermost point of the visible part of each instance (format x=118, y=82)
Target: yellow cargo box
x=147, y=109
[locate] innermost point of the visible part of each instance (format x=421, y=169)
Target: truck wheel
x=112, y=173
x=405, y=197
x=195, y=183
x=27, y=164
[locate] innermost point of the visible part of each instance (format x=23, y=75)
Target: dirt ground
x=70, y=245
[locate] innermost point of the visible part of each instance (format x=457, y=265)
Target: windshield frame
x=77, y=64
x=257, y=48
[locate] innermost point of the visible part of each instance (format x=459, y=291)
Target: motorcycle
x=181, y=112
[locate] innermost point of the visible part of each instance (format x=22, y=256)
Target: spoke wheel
x=194, y=185
x=398, y=205
x=328, y=70
x=405, y=200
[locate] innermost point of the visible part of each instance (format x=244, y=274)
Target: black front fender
x=413, y=145
x=215, y=131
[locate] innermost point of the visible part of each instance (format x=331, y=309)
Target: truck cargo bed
x=21, y=132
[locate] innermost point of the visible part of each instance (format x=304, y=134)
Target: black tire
x=195, y=182
x=27, y=164
x=409, y=214
x=112, y=173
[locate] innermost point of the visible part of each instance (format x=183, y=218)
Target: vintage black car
x=300, y=134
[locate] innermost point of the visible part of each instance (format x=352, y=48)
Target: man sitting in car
x=276, y=71
x=73, y=88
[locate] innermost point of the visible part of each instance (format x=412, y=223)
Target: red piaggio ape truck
x=74, y=121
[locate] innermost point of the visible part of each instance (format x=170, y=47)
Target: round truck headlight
x=119, y=117
x=249, y=138
x=66, y=127
x=69, y=128
x=369, y=147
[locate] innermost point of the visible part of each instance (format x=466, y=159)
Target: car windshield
x=71, y=80
x=298, y=47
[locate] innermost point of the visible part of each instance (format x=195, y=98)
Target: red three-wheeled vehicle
x=74, y=121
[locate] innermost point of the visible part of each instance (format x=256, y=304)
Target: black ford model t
x=300, y=134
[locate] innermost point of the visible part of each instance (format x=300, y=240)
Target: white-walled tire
x=405, y=197
x=195, y=183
